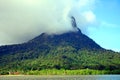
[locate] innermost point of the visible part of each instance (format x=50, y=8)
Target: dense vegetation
x=66, y=58
x=68, y=53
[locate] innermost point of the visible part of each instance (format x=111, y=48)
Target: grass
x=62, y=72
x=67, y=72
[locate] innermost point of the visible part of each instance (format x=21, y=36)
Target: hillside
x=70, y=51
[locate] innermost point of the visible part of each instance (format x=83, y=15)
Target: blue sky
x=107, y=34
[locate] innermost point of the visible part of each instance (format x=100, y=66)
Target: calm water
x=81, y=77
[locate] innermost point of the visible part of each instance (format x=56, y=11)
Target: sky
x=22, y=20
x=108, y=32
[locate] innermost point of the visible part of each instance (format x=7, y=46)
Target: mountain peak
x=74, y=38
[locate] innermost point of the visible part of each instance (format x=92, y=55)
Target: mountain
x=45, y=41
x=70, y=50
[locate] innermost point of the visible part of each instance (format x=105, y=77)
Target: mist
x=22, y=20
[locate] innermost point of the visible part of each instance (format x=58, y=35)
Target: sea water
x=60, y=77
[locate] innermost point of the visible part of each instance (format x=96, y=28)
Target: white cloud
x=110, y=25
x=21, y=20
x=90, y=17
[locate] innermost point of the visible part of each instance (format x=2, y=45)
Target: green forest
x=61, y=60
